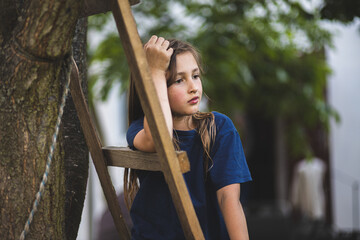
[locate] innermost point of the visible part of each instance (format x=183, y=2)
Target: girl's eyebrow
x=183, y=73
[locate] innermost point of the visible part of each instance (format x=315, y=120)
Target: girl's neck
x=183, y=123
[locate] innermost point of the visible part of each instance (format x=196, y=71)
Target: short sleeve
x=135, y=127
x=229, y=163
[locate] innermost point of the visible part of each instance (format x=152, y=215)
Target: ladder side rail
x=95, y=148
x=138, y=64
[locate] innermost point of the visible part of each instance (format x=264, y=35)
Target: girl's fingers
x=160, y=41
x=165, y=44
x=170, y=51
x=153, y=39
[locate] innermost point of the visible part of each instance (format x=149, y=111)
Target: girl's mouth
x=194, y=100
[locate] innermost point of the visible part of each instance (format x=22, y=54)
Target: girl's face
x=186, y=92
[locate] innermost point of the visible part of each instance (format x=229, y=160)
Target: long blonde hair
x=204, y=122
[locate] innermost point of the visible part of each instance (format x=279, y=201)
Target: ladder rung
x=125, y=157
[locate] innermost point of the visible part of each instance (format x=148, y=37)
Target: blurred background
x=287, y=73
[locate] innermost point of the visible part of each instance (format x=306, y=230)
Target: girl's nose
x=193, y=88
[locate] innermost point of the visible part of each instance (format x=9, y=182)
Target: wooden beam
x=127, y=158
x=92, y=7
x=96, y=152
x=163, y=144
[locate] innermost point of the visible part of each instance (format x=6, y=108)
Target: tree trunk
x=75, y=148
x=35, y=37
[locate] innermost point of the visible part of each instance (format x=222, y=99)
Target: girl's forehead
x=185, y=55
x=185, y=62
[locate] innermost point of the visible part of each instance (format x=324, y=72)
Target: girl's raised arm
x=158, y=55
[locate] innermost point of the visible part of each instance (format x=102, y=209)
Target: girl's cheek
x=200, y=88
x=172, y=95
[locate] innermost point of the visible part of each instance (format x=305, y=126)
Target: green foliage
x=264, y=57
x=107, y=61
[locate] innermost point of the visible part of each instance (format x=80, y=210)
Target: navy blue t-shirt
x=153, y=212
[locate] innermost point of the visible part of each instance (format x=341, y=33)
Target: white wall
x=344, y=96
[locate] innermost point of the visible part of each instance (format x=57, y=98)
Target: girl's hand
x=158, y=53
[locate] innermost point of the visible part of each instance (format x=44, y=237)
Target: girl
x=213, y=146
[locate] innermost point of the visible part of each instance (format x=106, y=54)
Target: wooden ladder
x=166, y=159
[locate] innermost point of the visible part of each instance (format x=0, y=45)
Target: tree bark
x=75, y=148
x=35, y=36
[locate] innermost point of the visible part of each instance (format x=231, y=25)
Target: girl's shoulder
x=222, y=121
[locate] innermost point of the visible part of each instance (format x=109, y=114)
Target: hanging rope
x=67, y=69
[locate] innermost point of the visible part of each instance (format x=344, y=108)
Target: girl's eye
x=196, y=76
x=178, y=81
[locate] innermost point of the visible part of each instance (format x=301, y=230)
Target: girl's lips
x=194, y=100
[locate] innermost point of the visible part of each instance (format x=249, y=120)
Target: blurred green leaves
x=112, y=65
